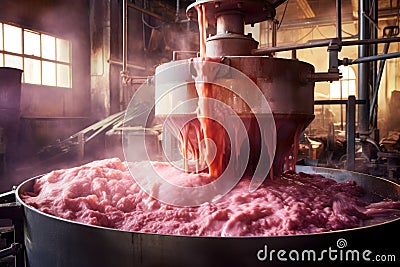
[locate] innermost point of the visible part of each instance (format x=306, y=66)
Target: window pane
x=12, y=39
x=63, y=75
x=13, y=61
x=48, y=73
x=62, y=50
x=334, y=90
x=32, y=71
x=1, y=60
x=31, y=43
x=48, y=47
x=1, y=36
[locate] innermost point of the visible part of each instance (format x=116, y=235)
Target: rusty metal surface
x=253, y=11
x=283, y=82
x=230, y=44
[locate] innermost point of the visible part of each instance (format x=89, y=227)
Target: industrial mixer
x=240, y=72
x=273, y=97
x=286, y=84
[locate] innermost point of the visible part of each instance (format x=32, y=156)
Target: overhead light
x=307, y=10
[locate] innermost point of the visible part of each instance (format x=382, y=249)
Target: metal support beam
x=363, y=84
x=351, y=132
x=321, y=43
x=145, y=11
x=373, y=64
x=124, y=34
x=124, y=71
x=348, y=61
x=376, y=87
x=339, y=20
x=306, y=8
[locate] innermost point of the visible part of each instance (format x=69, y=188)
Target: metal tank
x=284, y=83
x=52, y=241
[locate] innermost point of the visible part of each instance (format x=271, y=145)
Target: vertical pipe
x=374, y=64
x=274, y=32
x=339, y=20
x=351, y=132
x=124, y=34
x=376, y=85
x=81, y=147
x=363, y=87
x=177, y=11
x=294, y=54
x=341, y=107
x=124, y=54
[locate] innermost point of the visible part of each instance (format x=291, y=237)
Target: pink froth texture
x=103, y=193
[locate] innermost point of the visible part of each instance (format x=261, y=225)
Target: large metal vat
x=51, y=241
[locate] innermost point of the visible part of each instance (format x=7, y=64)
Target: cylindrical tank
x=283, y=83
x=10, y=101
x=52, y=241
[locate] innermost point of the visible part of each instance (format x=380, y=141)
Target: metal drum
x=283, y=83
x=51, y=241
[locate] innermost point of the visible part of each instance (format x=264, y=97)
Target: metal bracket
x=323, y=77
x=334, y=47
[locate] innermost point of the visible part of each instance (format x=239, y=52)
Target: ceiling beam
x=307, y=10
x=354, y=4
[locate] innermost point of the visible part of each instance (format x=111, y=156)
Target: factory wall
x=94, y=28
x=48, y=113
x=150, y=42
x=64, y=19
x=106, y=54
x=141, y=59
x=100, y=27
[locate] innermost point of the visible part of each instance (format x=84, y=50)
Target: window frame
x=40, y=58
x=340, y=84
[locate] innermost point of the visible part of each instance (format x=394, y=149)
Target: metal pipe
x=378, y=82
x=230, y=23
x=81, y=147
x=124, y=54
x=177, y=11
x=269, y=50
x=374, y=64
x=114, y=62
x=339, y=20
x=145, y=11
x=124, y=34
x=321, y=43
x=363, y=60
x=317, y=21
x=371, y=20
x=294, y=54
x=351, y=132
x=363, y=84
x=336, y=102
x=371, y=41
x=274, y=32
